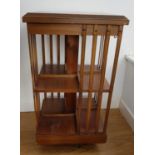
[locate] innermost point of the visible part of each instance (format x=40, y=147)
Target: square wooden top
x=74, y=19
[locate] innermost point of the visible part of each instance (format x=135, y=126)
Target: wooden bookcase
x=74, y=114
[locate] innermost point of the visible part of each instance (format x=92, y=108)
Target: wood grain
x=102, y=78
x=61, y=120
x=115, y=62
x=82, y=66
x=57, y=84
x=43, y=55
x=74, y=19
x=51, y=52
x=68, y=29
x=71, y=64
x=91, y=78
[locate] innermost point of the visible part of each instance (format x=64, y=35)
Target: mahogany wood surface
x=103, y=72
x=73, y=118
x=54, y=121
x=74, y=19
x=71, y=64
x=53, y=107
x=57, y=84
x=59, y=71
x=69, y=29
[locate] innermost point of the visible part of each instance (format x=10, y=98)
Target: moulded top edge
x=74, y=19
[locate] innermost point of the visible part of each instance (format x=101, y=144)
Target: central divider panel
x=71, y=67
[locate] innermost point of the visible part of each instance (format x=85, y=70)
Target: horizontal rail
x=69, y=29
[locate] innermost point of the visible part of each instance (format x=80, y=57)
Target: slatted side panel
x=118, y=44
x=51, y=53
x=102, y=65
x=102, y=78
x=34, y=72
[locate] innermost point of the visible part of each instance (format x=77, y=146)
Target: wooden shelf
x=51, y=70
x=53, y=108
x=57, y=84
x=56, y=125
x=54, y=120
x=54, y=70
x=50, y=128
x=96, y=82
x=84, y=104
x=62, y=130
x=53, y=78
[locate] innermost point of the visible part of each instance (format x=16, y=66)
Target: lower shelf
x=57, y=127
x=54, y=107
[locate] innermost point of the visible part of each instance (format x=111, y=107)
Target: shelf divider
x=71, y=64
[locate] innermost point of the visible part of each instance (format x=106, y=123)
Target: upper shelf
x=53, y=78
x=53, y=18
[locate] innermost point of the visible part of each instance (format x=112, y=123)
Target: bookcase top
x=54, y=18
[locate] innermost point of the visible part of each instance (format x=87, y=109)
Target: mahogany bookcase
x=71, y=110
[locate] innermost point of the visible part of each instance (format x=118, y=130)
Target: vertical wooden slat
x=35, y=54
x=43, y=48
x=58, y=49
x=82, y=57
x=43, y=55
x=81, y=75
x=36, y=95
x=102, y=76
x=37, y=105
x=58, y=54
x=34, y=69
x=99, y=62
x=51, y=49
x=51, y=53
x=100, y=52
x=119, y=38
x=91, y=77
x=31, y=58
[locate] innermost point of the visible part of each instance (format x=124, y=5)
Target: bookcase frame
x=73, y=118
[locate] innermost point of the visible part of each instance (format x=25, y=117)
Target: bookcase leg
x=71, y=64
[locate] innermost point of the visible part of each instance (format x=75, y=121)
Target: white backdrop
x=121, y=7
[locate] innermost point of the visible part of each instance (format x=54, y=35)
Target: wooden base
x=56, y=126
x=71, y=139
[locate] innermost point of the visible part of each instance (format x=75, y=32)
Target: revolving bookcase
x=68, y=94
